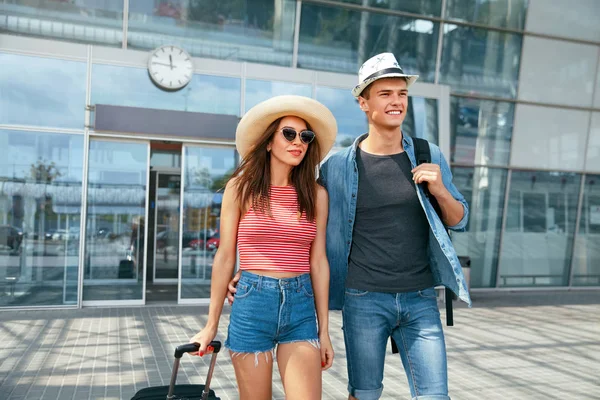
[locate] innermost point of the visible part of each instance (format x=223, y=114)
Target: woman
x=276, y=213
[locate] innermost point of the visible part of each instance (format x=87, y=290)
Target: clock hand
x=168, y=65
x=171, y=61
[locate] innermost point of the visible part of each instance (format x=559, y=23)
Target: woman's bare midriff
x=273, y=274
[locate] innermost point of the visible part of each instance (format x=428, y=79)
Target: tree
x=44, y=172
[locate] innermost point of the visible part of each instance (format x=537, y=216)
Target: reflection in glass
x=484, y=190
x=85, y=21
x=206, y=172
x=126, y=86
x=481, y=131
x=423, y=7
x=340, y=40
x=540, y=224
x=499, y=13
x=351, y=121
x=422, y=119
x=42, y=91
x=40, y=208
x=260, y=31
x=116, y=205
x=166, y=228
x=480, y=61
x=257, y=91
x=586, y=262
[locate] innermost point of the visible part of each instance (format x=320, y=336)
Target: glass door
x=205, y=171
x=115, y=248
x=166, y=227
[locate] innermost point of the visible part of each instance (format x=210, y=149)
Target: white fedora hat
x=256, y=121
x=381, y=66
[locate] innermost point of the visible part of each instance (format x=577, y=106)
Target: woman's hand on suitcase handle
x=231, y=287
x=327, y=353
x=203, y=339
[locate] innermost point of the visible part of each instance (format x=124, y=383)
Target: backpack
x=423, y=155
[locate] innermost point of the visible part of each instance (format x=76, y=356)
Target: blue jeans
x=413, y=320
x=268, y=311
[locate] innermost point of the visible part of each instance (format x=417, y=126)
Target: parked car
x=213, y=242
x=11, y=237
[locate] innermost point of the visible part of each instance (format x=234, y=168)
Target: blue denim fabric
x=339, y=174
x=413, y=320
x=268, y=311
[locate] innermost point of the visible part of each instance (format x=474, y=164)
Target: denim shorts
x=268, y=311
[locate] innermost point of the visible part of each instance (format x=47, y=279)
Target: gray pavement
x=518, y=345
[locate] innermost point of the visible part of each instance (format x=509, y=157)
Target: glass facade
x=523, y=152
x=116, y=211
x=126, y=86
x=481, y=131
x=259, y=30
x=87, y=21
x=537, y=241
x=205, y=173
x=340, y=40
x=42, y=91
x=40, y=209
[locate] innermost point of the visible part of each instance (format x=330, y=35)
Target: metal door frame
x=92, y=303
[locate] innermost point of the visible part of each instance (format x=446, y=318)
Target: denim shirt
x=339, y=175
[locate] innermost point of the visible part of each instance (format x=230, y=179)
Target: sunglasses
x=306, y=136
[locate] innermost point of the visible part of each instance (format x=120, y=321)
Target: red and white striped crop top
x=280, y=243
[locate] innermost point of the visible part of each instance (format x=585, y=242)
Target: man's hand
x=432, y=175
x=231, y=287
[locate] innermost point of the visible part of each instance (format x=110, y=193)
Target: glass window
x=340, y=40
x=257, y=91
x=88, y=21
x=422, y=119
x=556, y=85
x=481, y=131
x=423, y=7
x=593, y=151
x=40, y=208
x=549, y=138
x=125, y=86
x=540, y=224
x=586, y=262
x=577, y=20
x=116, y=209
x=480, y=61
x=484, y=189
x=206, y=172
x=259, y=31
x=42, y=91
x=499, y=13
x=351, y=121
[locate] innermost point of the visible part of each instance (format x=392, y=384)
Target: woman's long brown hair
x=253, y=176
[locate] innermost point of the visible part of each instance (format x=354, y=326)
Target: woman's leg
x=300, y=369
x=254, y=374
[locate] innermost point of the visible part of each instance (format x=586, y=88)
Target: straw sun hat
x=256, y=121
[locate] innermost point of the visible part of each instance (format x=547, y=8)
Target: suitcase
x=183, y=392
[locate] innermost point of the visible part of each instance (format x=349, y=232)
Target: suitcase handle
x=192, y=347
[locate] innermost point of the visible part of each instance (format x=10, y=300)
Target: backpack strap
x=423, y=155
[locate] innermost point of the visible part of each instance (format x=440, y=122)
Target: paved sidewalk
x=533, y=345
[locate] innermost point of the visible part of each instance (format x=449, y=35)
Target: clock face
x=170, y=67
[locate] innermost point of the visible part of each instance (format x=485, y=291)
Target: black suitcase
x=183, y=392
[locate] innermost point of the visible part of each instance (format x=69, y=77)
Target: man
x=386, y=246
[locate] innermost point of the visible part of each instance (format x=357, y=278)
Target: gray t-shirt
x=391, y=232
